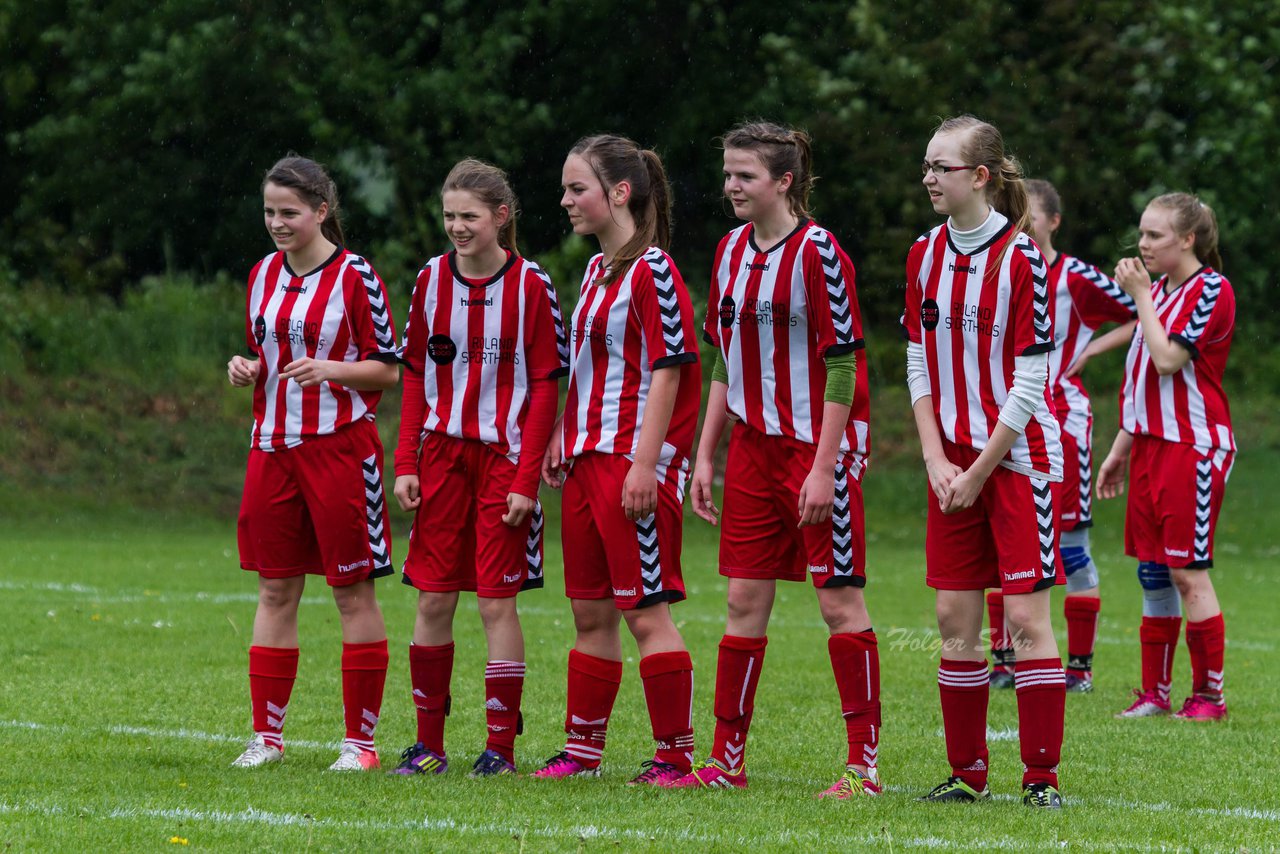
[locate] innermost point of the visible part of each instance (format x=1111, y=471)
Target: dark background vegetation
x=133, y=137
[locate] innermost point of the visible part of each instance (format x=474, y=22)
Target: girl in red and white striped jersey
x=783, y=315
x=321, y=350
x=483, y=346
x=1175, y=439
x=979, y=324
x=623, y=456
x=1084, y=299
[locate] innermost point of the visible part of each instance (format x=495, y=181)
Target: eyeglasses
x=939, y=169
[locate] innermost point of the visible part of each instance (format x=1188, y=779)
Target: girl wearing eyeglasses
x=1176, y=440
x=979, y=325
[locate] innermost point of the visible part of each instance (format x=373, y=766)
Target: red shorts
x=1007, y=539
x=317, y=509
x=1073, y=495
x=459, y=541
x=760, y=535
x=1175, y=493
x=605, y=553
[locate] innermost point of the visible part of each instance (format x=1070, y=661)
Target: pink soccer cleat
x=1149, y=703
x=563, y=765
x=352, y=757
x=655, y=773
x=1202, y=709
x=712, y=775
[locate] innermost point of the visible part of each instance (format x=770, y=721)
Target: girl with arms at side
x=483, y=346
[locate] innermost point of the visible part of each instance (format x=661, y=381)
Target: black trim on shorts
x=532, y=583
x=1196, y=564
x=381, y=572
x=677, y=359
x=658, y=598
x=1037, y=349
x=1080, y=526
x=844, y=581
x=1045, y=584
x=1191, y=347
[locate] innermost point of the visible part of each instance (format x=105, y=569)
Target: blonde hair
x=489, y=184
x=781, y=150
x=983, y=145
x=1192, y=216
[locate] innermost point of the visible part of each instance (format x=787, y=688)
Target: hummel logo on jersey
x=764, y=268
x=963, y=268
x=352, y=567
x=493, y=704
x=1177, y=552
x=464, y=302
x=630, y=591
x=817, y=569
x=929, y=315
x=508, y=579
x=293, y=289
x=1014, y=576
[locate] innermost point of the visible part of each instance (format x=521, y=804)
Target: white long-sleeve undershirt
x=1030, y=376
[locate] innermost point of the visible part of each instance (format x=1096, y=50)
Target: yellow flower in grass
x=178, y=840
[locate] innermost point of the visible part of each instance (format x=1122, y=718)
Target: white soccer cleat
x=352, y=757
x=257, y=753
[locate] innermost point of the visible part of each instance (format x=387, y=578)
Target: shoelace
x=412, y=752
x=653, y=768
x=489, y=762
x=562, y=756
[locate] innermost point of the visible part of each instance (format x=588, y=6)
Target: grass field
x=124, y=698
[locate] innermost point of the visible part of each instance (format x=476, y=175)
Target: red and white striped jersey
x=471, y=349
x=1189, y=406
x=1084, y=299
x=775, y=316
x=338, y=311
x=974, y=314
x=620, y=334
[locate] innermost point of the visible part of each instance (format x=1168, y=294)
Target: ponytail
x=490, y=186
x=614, y=159
x=1192, y=216
x=781, y=150
x=982, y=145
x=313, y=185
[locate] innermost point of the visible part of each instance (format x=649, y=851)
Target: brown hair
x=313, y=185
x=1192, y=216
x=615, y=159
x=1047, y=194
x=984, y=146
x=490, y=186
x=781, y=150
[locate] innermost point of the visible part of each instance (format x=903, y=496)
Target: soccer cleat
x=351, y=757
x=956, y=791
x=1197, y=708
x=563, y=765
x=712, y=775
x=491, y=763
x=416, y=759
x=1041, y=795
x=655, y=773
x=1147, y=705
x=257, y=753
x=1081, y=683
x=853, y=783
x=1001, y=677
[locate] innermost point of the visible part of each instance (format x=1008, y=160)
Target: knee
x=744, y=602
x=435, y=607
x=355, y=599
x=844, y=610
x=1187, y=582
x=279, y=594
x=952, y=619
x=496, y=612
x=592, y=619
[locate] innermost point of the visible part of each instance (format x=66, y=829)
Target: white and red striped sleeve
x=369, y=312
x=1030, y=309
x=1095, y=297
x=834, y=318
x=661, y=303
x=413, y=355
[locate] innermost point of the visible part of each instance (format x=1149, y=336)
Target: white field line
x=917, y=638
x=1272, y=816
x=548, y=831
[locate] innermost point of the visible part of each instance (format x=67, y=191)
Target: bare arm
x=817, y=494
x=640, y=489
x=1168, y=356
x=366, y=375
x=713, y=426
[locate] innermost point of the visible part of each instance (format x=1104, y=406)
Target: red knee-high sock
x=1082, y=632
x=503, y=686
x=1001, y=653
x=737, y=675
x=1042, y=703
x=1207, y=642
x=430, y=671
x=855, y=660
x=593, y=686
x=964, y=687
x=272, y=671
x=1159, y=637
x=668, y=692
x=364, y=673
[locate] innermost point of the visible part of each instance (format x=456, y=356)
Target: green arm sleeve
x=720, y=373
x=842, y=372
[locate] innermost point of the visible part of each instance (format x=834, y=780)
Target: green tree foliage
x=135, y=134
